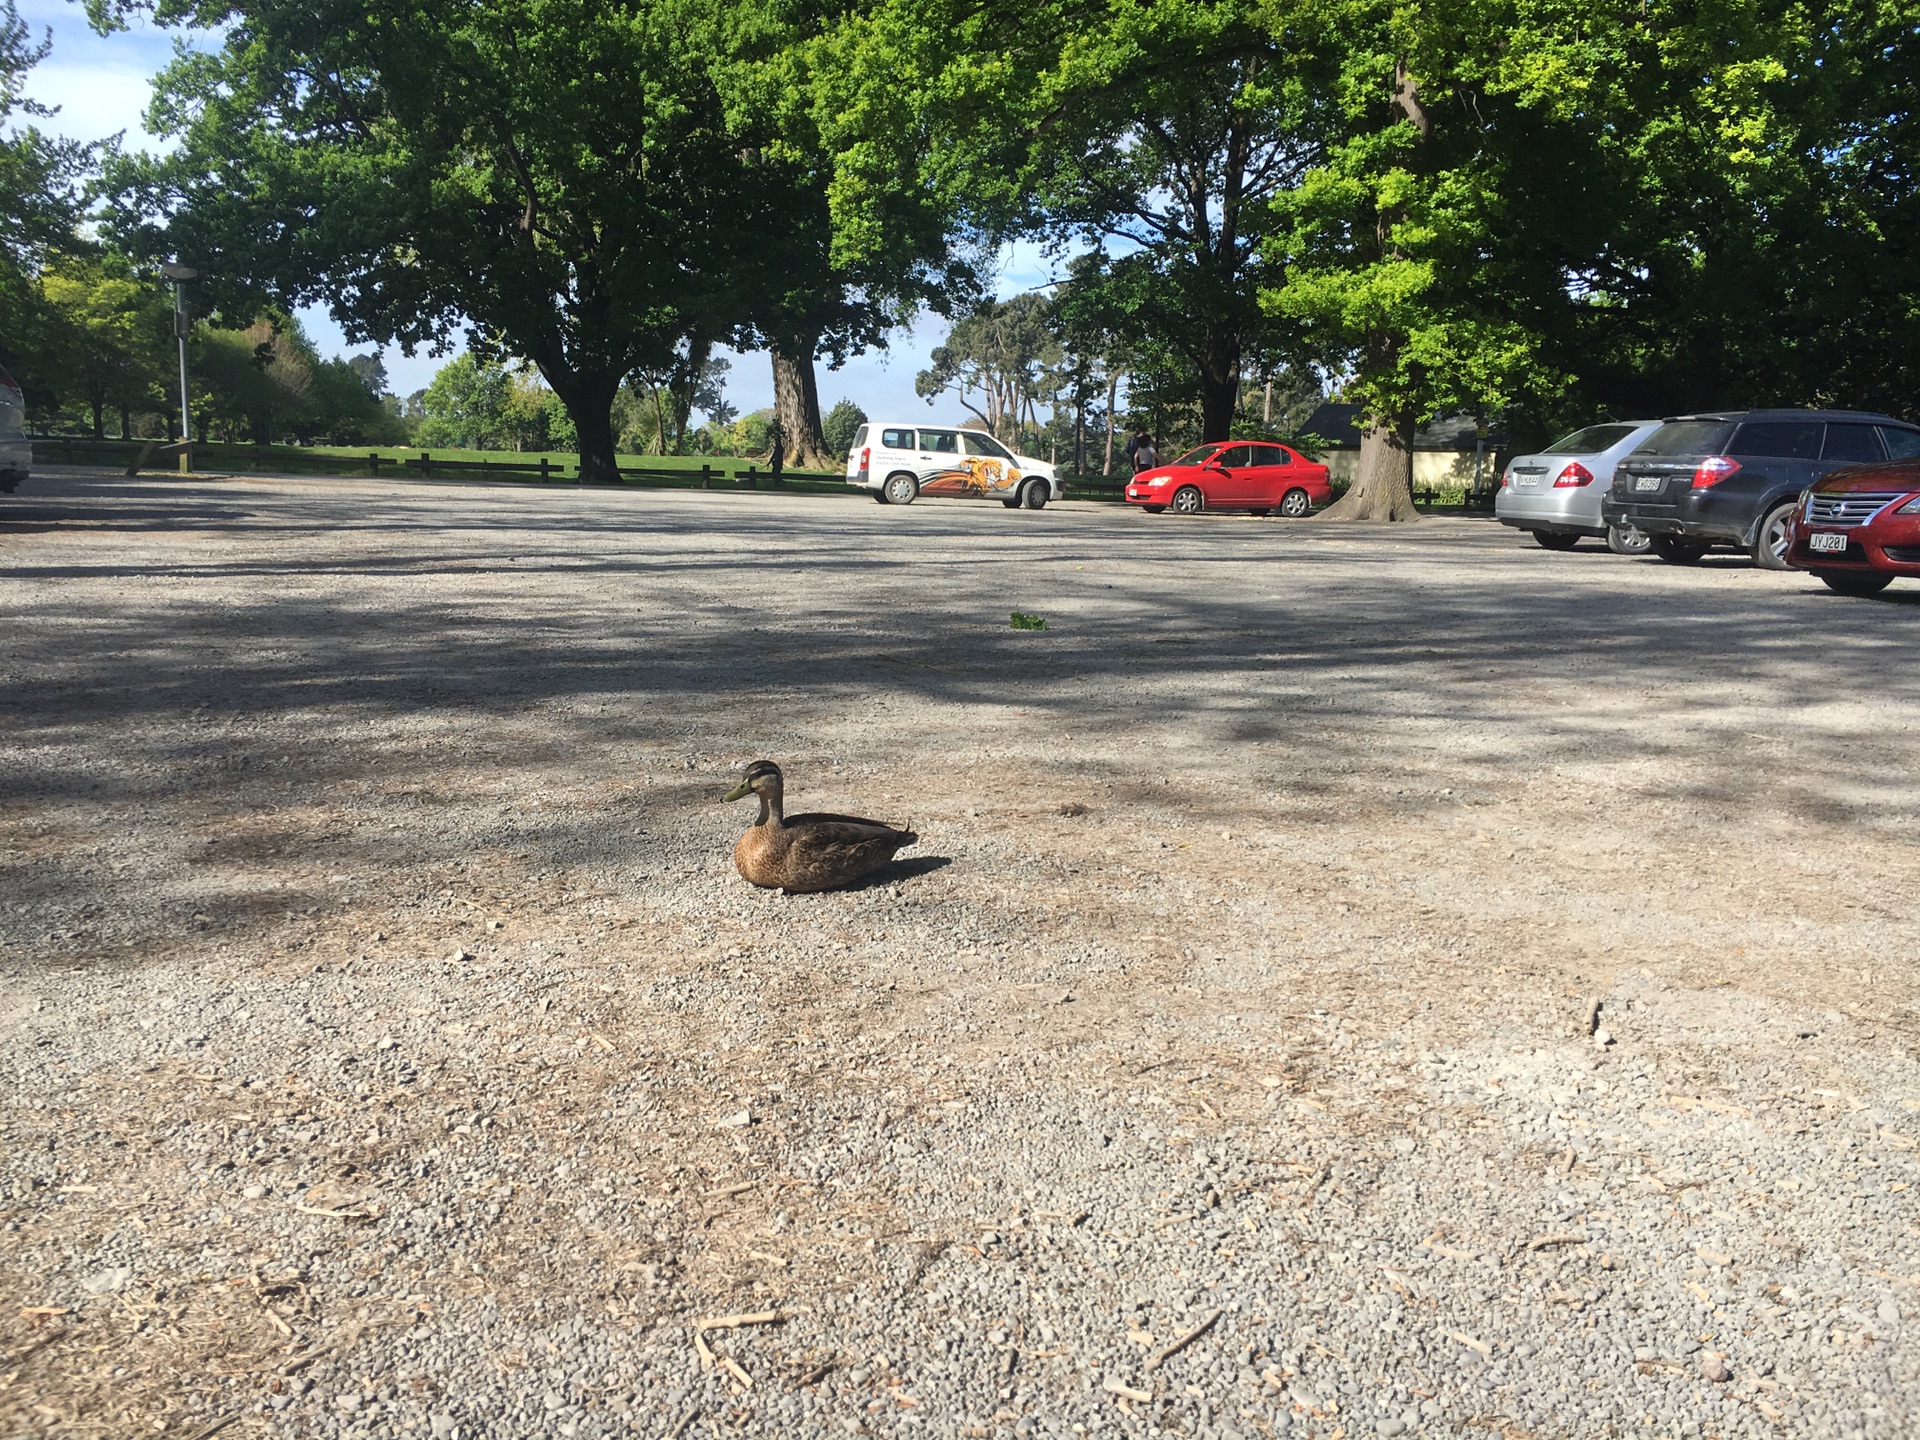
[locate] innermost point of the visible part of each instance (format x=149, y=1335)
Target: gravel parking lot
x=394, y=1051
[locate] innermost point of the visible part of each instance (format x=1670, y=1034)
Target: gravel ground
x=394, y=1051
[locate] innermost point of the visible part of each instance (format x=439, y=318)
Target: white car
x=1556, y=494
x=16, y=451
x=897, y=464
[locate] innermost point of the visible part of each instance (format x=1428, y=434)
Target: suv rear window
x=1784, y=439
x=1852, y=442
x=1590, y=441
x=1687, y=437
x=1902, y=444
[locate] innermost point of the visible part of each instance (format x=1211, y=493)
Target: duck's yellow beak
x=737, y=792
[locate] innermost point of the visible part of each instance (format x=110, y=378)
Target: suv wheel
x=1677, y=550
x=1625, y=540
x=1771, y=540
x=1853, y=582
x=1555, y=539
x=1187, y=500
x=901, y=489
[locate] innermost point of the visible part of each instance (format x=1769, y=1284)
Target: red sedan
x=1859, y=528
x=1255, y=475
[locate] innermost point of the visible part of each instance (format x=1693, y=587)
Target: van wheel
x=879, y=495
x=1770, y=541
x=1555, y=539
x=1676, y=550
x=1625, y=540
x=901, y=489
x=1012, y=504
x=1034, y=494
x=1847, y=582
x=1187, y=500
x=1294, y=504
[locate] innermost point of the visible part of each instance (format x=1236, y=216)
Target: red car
x=1859, y=528
x=1255, y=475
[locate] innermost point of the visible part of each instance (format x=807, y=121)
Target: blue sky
x=101, y=84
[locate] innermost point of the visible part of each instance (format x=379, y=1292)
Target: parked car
x=1735, y=478
x=1256, y=475
x=16, y=451
x=1556, y=494
x=1857, y=529
x=897, y=464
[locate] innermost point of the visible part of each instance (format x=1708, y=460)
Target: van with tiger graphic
x=897, y=464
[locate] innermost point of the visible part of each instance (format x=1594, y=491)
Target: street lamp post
x=180, y=274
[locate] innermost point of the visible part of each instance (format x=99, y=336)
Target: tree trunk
x=1113, y=391
x=589, y=401
x=99, y=421
x=1220, y=384
x=1383, y=481
x=796, y=405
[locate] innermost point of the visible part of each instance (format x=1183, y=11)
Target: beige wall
x=1432, y=469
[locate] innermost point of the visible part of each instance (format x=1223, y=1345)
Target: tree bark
x=1113, y=391
x=1220, y=384
x=589, y=401
x=1383, y=481
x=796, y=405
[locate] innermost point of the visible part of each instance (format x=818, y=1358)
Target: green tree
x=997, y=362
x=113, y=334
x=840, y=425
x=559, y=176
x=41, y=179
x=260, y=378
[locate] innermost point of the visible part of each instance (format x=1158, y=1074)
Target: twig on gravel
x=1167, y=1352
x=679, y=1427
x=216, y=1427
x=727, y=1192
x=813, y=1376
x=1541, y=1242
x=779, y=1260
x=742, y=1376
x=734, y=1322
x=1127, y=1392
x=1590, y=1020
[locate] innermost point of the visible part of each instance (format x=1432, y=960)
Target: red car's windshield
x=1198, y=455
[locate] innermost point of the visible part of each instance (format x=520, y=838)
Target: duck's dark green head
x=763, y=779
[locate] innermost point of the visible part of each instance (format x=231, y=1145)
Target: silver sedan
x=1556, y=494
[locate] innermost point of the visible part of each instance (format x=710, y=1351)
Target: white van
x=16, y=451
x=897, y=464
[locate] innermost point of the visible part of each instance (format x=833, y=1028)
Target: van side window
x=1851, y=442
x=940, y=442
x=1902, y=444
x=1784, y=439
x=897, y=439
x=979, y=444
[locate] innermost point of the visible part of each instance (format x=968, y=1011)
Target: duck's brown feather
x=817, y=852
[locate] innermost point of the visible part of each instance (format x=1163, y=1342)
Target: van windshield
x=978, y=444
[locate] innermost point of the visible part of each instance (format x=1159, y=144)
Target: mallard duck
x=808, y=852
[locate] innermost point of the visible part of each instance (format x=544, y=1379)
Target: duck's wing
x=845, y=829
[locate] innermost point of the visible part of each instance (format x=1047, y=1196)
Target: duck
x=805, y=854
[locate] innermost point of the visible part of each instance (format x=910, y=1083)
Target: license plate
x=1526, y=482
x=1647, y=482
x=1826, y=540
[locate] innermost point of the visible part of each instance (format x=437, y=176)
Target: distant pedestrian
x=1146, y=455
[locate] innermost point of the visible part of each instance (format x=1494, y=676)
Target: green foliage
x=1024, y=621
x=112, y=335
x=841, y=424
x=999, y=363
x=478, y=404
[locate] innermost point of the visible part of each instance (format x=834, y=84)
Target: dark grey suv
x=1734, y=478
